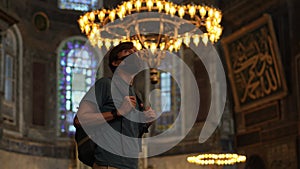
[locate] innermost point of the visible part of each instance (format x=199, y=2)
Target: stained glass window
x=78, y=68
x=79, y=5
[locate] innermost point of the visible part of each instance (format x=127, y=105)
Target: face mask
x=131, y=64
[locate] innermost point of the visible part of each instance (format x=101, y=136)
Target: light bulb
x=210, y=12
x=81, y=22
x=196, y=41
x=129, y=6
x=146, y=45
x=138, y=45
x=134, y=42
x=192, y=11
x=218, y=20
x=181, y=12
x=172, y=10
x=100, y=43
x=208, y=24
x=123, y=8
x=101, y=16
x=120, y=14
x=162, y=46
x=153, y=47
x=116, y=42
x=107, y=43
x=112, y=15
x=219, y=32
x=187, y=40
x=87, y=29
x=94, y=28
x=149, y=5
x=138, y=5
x=177, y=44
x=92, y=16
x=171, y=48
x=202, y=11
x=159, y=6
x=217, y=14
x=85, y=19
x=167, y=7
x=92, y=38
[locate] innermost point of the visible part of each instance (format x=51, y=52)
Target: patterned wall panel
x=254, y=65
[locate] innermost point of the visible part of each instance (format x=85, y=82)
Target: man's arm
x=89, y=114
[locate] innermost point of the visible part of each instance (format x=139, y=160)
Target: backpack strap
x=85, y=139
x=139, y=101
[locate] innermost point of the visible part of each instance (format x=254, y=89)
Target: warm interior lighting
x=204, y=17
x=216, y=159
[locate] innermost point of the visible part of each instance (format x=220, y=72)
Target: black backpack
x=85, y=146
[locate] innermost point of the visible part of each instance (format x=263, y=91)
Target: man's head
x=119, y=53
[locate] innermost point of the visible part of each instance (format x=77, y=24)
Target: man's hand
x=129, y=102
x=150, y=115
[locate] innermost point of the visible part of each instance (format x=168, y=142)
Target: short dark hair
x=113, y=55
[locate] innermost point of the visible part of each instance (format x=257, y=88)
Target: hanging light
x=205, y=17
x=99, y=23
x=217, y=159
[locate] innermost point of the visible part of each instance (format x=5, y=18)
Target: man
x=118, y=139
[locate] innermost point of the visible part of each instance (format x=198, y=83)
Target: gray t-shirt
x=106, y=154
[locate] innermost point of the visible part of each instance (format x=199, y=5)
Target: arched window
x=10, y=48
x=77, y=73
x=79, y=5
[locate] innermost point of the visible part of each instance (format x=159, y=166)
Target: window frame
x=12, y=112
x=9, y=50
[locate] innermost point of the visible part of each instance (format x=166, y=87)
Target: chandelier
x=99, y=25
x=216, y=159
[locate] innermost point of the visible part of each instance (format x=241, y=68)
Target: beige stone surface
x=10, y=160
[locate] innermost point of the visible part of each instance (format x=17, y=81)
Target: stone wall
x=270, y=130
x=33, y=140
